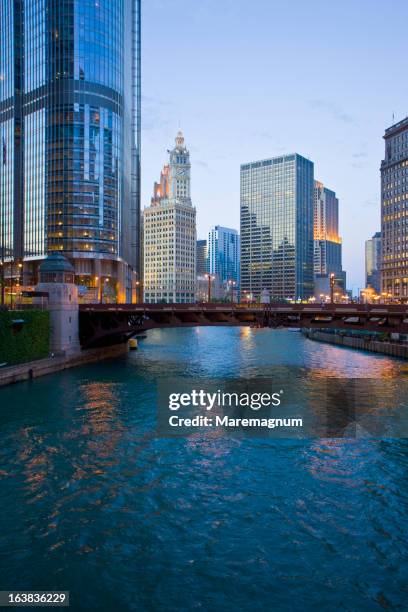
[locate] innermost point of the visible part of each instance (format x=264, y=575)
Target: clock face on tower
x=182, y=172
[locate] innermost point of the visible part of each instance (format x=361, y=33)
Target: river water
x=94, y=503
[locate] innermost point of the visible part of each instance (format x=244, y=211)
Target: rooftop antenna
x=393, y=116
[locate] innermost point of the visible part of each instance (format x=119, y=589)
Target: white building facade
x=170, y=234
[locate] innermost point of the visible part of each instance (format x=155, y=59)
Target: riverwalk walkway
x=42, y=367
x=393, y=349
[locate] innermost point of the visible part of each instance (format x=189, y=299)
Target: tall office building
x=70, y=137
x=394, y=211
x=277, y=227
x=223, y=254
x=202, y=257
x=373, y=262
x=327, y=242
x=170, y=233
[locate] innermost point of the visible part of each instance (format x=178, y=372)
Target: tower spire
x=180, y=140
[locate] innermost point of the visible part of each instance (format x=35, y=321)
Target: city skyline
x=207, y=420
x=98, y=213
x=347, y=97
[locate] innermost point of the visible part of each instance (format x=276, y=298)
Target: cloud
x=265, y=135
x=359, y=159
x=271, y=138
x=201, y=163
x=371, y=202
x=358, y=165
x=331, y=108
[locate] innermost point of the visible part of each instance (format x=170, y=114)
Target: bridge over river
x=108, y=324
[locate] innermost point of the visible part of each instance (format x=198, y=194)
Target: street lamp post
x=134, y=288
x=332, y=283
x=231, y=284
x=19, y=266
x=101, y=285
x=19, y=280
x=98, y=289
x=3, y=241
x=11, y=284
x=210, y=278
x=2, y=283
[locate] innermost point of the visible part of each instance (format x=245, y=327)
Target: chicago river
x=96, y=503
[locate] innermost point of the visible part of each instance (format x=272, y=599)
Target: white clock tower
x=180, y=172
x=170, y=233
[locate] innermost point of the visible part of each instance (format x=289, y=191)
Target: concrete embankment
x=386, y=348
x=42, y=367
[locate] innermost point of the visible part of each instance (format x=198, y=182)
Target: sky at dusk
x=251, y=80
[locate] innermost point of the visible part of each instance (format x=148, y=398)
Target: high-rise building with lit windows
x=394, y=211
x=327, y=242
x=223, y=254
x=202, y=257
x=169, y=231
x=277, y=228
x=373, y=262
x=70, y=137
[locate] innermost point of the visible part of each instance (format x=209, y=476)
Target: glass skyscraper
x=277, y=228
x=223, y=254
x=201, y=257
x=373, y=262
x=70, y=137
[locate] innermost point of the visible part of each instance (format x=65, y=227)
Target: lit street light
x=332, y=283
x=231, y=285
x=101, y=287
x=98, y=290
x=2, y=283
x=19, y=265
x=210, y=278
